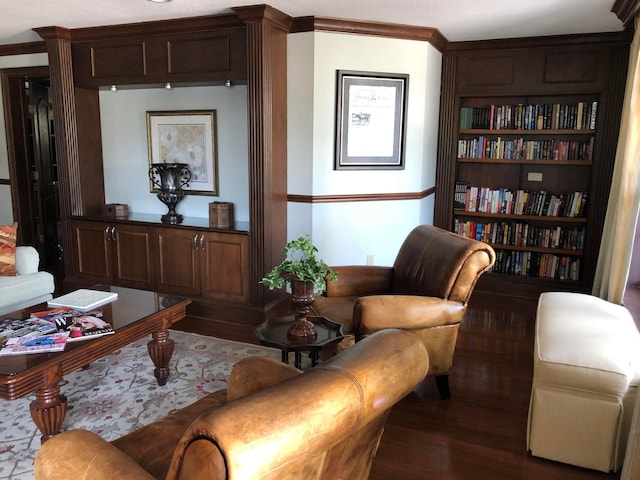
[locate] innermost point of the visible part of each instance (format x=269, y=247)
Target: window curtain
x=614, y=259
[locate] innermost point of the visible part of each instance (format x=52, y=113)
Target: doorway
x=33, y=165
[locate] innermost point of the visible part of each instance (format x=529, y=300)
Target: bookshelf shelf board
x=527, y=161
x=544, y=132
x=543, y=218
x=554, y=251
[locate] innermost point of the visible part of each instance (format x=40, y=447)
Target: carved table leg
x=49, y=407
x=160, y=350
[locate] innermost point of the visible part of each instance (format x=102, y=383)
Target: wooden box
x=221, y=214
x=115, y=210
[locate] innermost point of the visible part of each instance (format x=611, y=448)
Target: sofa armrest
x=360, y=280
x=27, y=260
x=82, y=454
x=406, y=312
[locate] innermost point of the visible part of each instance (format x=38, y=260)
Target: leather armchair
x=425, y=292
x=276, y=423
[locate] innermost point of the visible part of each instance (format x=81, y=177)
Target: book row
x=547, y=116
x=534, y=264
x=519, y=149
x=519, y=202
x=520, y=234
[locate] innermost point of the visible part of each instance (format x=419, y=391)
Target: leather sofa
x=425, y=292
x=272, y=422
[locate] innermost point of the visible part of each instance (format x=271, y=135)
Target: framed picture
x=186, y=137
x=370, y=120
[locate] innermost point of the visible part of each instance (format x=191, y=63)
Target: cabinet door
x=133, y=256
x=93, y=251
x=178, y=270
x=225, y=266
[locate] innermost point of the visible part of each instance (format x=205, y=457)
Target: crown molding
x=626, y=10
x=23, y=48
x=391, y=30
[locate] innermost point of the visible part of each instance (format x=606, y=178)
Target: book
x=83, y=299
x=78, y=324
x=30, y=327
x=52, y=342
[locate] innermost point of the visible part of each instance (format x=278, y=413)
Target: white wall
x=345, y=233
x=125, y=153
x=12, y=61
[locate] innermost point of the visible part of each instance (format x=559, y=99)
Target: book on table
x=79, y=324
x=83, y=299
x=51, y=342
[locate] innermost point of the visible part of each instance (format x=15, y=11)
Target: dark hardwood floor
x=478, y=434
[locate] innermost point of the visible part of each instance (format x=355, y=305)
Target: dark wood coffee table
x=135, y=314
x=273, y=333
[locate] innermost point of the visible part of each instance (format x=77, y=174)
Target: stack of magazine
x=72, y=319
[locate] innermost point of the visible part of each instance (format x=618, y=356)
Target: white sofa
x=29, y=287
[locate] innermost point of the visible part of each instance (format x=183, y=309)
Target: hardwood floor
x=478, y=434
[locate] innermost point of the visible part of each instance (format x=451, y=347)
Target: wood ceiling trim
x=23, y=48
x=626, y=10
x=391, y=30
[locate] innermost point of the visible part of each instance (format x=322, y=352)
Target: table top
x=273, y=333
x=134, y=315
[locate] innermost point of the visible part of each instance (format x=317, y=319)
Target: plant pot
x=302, y=297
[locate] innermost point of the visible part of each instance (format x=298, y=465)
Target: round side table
x=273, y=333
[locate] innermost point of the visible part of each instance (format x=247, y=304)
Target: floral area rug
x=118, y=394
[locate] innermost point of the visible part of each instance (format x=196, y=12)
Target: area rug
x=118, y=394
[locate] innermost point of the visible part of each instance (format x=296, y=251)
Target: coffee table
x=273, y=333
x=135, y=314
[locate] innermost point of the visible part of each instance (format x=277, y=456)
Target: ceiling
x=457, y=20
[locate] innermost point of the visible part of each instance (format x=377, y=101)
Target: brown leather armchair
x=425, y=292
x=276, y=423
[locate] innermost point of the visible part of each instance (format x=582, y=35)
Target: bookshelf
x=526, y=150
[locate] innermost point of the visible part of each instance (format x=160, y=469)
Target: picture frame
x=189, y=137
x=370, y=120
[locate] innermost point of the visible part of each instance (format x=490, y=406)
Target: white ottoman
x=586, y=372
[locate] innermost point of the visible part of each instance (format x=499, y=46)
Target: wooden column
x=267, y=30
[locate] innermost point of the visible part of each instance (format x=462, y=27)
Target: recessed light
x=160, y=1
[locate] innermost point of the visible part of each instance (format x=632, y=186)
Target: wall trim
x=391, y=30
x=23, y=48
x=626, y=10
x=5, y=181
x=360, y=197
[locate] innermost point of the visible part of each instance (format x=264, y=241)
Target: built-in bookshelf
x=536, y=220
x=526, y=151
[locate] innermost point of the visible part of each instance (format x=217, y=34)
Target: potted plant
x=307, y=275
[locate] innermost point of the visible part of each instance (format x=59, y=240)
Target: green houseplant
x=307, y=275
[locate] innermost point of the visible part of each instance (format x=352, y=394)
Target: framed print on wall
x=370, y=120
x=186, y=137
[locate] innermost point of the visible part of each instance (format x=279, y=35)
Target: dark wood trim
x=361, y=197
x=626, y=10
x=23, y=48
x=159, y=27
x=5, y=181
x=391, y=30
x=623, y=37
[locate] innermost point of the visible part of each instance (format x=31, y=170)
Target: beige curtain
x=612, y=270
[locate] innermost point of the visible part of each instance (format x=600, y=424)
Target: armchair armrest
x=360, y=280
x=406, y=312
x=82, y=454
x=27, y=260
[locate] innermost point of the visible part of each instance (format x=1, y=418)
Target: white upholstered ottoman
x=586, y=371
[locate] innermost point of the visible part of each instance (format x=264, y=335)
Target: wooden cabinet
x=526, y=148
x=115, y=254
x=178, y=57
x=186, y=261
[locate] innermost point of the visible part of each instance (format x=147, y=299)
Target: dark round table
x=273, y=333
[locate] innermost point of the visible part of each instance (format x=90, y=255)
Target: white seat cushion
x=16, y=290
x=586, y=343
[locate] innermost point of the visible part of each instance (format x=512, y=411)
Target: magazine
x=30, y=327
x=79, y=325
x=52, y=342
